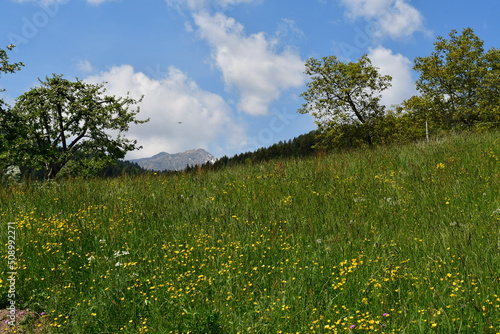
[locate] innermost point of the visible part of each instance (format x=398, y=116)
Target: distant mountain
x=178, y=161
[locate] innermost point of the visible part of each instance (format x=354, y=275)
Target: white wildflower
x=120, y=253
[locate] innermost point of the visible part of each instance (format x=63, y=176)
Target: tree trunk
x=52, y=169
x=368, y=139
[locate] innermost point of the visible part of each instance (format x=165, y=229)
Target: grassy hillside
x=402, y=239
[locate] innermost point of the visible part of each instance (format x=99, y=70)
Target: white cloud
x=250, y=63
x=85, y=66
x=400, y=69
x=393, y=18
x=182, y=116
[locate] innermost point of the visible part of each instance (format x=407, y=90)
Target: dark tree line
x=300, y=146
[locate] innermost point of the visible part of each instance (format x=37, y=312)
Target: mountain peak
x=157, y=155
x=177, y=161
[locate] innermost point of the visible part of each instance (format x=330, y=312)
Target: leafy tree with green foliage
x=344, y=98
x=459, y=83
x=63, y=127
x=489, y=102
x=5, y=67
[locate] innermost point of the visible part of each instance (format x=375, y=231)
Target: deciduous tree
x=459, y=81
x=344, y=97
x=5, y=67
x=67, y=127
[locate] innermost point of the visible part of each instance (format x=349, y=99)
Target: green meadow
x=402, y=239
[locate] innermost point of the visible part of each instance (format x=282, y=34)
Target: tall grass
x=394, y=239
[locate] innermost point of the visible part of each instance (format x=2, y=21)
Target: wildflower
x=118, y=264
x=120, y=253
x=352, y=326
x=385, y=314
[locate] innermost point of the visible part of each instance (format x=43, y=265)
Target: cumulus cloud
x=392, y=18
x=250, y=63
x=400, y=69
x=85, y=66
x=182, y=115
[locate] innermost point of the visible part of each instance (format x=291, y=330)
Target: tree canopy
x=459, y=82
x=66, y=127
x=7, y=67
x=344, y=96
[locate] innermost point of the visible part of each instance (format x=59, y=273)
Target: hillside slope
x=391, y=239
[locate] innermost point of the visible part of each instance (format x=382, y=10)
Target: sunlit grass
x=401, y=239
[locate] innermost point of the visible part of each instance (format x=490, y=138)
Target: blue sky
x=224, y=75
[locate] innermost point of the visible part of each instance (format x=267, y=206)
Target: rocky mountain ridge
x=177, y=161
